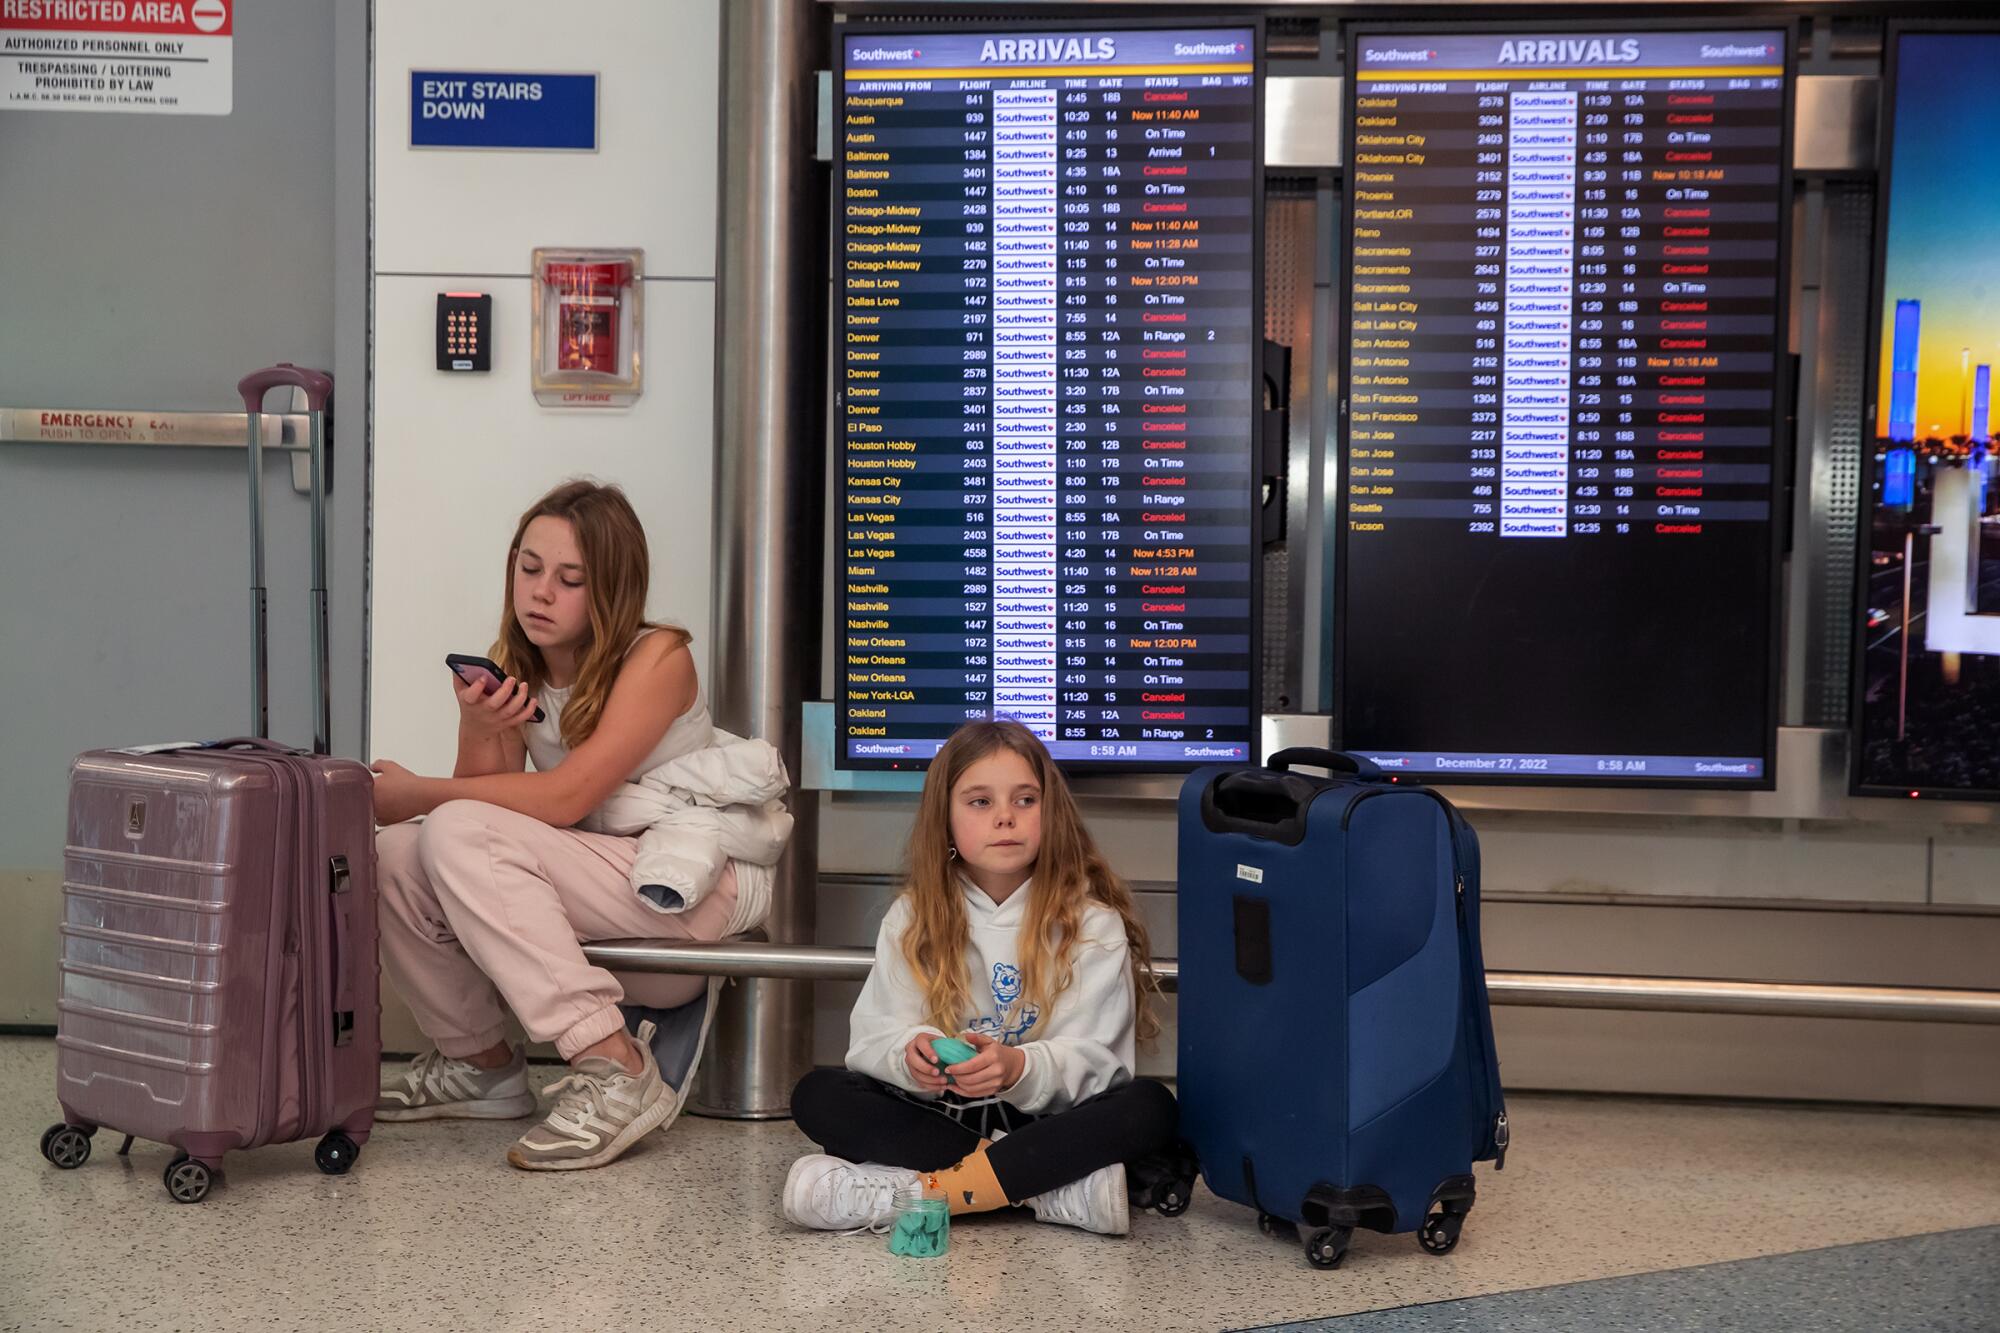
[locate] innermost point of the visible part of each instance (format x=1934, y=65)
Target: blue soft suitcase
x=1337, y=1067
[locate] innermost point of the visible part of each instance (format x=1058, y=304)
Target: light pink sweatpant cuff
x=590, y=1031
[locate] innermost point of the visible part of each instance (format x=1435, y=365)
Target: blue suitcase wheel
x=1439, y=1233
x=187, y=1180
x=66, y=1146
x=1326, y=1247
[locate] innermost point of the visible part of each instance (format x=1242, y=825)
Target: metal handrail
x=1555, y=990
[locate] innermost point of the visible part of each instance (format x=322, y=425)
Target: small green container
x=922, y=1227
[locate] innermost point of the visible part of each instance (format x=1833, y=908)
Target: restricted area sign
x=157, y=57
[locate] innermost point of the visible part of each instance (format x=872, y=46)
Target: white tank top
x=690, y=731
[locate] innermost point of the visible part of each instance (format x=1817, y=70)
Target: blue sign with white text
x=473, y=109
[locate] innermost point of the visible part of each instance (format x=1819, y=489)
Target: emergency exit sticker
x=149, y=57
x=475, y=109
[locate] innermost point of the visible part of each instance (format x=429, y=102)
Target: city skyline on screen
x=1943, y=247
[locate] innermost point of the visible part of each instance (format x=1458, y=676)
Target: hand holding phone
x=490, y=700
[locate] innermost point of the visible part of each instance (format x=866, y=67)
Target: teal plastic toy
x=922, y=1230
x=952, y=1051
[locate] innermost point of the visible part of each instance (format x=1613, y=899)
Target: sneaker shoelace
x=871, y=1197
x=423, y=1080
x=578, y=1097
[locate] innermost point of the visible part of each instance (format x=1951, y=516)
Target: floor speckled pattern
x=1946, y=1283
x=433, y=1230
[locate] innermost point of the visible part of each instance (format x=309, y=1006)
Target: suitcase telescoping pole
x=318, y=388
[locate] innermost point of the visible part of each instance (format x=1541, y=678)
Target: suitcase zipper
x=1500, y=1133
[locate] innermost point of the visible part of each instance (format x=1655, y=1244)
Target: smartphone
x=469, y=668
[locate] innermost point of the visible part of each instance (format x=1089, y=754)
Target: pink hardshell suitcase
x=219, y=979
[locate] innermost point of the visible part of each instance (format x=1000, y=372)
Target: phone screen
x=485, y=673
x=469, y=674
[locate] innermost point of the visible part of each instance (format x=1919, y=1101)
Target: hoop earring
x=951, y=854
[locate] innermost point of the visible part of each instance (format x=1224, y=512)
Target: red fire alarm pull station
x=587, y=307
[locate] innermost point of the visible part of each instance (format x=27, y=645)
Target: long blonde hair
x=616, y=569
x=1069, y=874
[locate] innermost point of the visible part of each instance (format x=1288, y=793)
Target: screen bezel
x=1782, y=449
x=876, y=27
x=1885, y=142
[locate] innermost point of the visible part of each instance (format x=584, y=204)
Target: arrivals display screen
x=1927, y=696
x=1045, y=325
x=1563, y=347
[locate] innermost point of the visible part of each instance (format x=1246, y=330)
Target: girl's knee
x=815, y=1098
x=1155, y=1106
x=450, y=831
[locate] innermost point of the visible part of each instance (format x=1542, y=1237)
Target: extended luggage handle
x=317, y=386
x=1333, y=761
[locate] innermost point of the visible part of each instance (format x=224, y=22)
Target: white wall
x=459, y=456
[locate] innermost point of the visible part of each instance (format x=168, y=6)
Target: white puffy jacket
x=694, y=814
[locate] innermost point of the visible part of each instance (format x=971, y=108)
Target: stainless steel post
x=768, y=478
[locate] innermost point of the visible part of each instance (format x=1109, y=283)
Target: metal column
x=769, y=450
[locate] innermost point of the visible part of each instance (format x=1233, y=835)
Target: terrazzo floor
x=433, y=1230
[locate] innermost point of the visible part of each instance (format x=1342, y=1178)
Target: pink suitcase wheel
x=187, y=1180
x=67, y=1146
x=336, y=1153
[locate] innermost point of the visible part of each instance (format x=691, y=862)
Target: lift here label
x=475, y=109
x=148, y=57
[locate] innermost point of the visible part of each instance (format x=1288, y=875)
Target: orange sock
x=970, y=1185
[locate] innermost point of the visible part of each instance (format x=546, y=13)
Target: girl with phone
x=487, y=901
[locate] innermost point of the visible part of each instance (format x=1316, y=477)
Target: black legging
x=864, y=1120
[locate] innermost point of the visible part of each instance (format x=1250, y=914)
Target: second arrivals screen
x=1563, y=348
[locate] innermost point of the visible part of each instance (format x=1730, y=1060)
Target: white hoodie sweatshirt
x=1083, y=1046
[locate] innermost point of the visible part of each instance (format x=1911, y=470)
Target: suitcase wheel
x=336, y=1153
x=1273, y=1225
x=67, y=1146
x=1326, y=1247
x=1174, y=1198
x=187, y=1180
x=1439, y=1233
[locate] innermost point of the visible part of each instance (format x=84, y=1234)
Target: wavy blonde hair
x=616, y=570
x=1069, y=873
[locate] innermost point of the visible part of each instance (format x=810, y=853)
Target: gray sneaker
x=437, y=1087
x=600, y=1111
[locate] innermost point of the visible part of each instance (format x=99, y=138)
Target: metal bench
x=1556, y=990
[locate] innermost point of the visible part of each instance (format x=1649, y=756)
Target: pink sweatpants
x=481, y=904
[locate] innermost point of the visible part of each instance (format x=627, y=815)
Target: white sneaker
x=437, y=1087
x=832, y=1194
x=1095, y=1203
x=600, y=1111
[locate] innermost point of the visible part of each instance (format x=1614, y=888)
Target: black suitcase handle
x=1333, y=761
x=1271, y=802
x=1261, y=803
